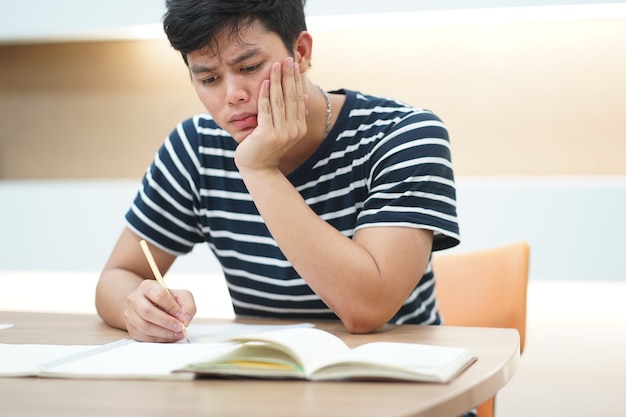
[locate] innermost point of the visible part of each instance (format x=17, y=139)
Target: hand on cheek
x=281, y=119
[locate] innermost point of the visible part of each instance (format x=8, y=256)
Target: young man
x=317, y=205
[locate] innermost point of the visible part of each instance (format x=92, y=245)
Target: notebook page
x=129, y=359
x=23, y=359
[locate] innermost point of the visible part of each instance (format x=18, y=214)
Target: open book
x=314, y=354
x=286, y=352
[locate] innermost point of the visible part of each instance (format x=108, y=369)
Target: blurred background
x=533, y=94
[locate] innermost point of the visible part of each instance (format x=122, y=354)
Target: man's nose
x=236, y=90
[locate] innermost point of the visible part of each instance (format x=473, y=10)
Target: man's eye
x=209, y=81
x=251, y=68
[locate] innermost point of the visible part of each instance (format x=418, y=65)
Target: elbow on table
x=359, y=324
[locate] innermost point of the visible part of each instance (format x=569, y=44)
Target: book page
x=252, y=359
x=395, y=360
x=310, y=346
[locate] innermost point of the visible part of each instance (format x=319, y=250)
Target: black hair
x=191, y=25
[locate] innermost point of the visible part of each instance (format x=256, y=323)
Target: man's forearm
x=112, y=291
x=348, y=277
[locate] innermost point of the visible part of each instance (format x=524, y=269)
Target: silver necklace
x=329, y=110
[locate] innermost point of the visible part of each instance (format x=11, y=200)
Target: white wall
x=575, y=225
x=61, y=20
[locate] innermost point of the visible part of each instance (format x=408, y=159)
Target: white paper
x=204, y=333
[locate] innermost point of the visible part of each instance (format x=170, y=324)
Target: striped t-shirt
x=383, y=164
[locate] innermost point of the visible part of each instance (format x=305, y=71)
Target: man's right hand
x=152, y=315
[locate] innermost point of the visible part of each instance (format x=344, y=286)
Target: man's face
x=227, y=79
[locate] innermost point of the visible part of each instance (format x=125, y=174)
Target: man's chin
x=242, y=135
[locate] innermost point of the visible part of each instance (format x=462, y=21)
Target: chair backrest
x=485, y=288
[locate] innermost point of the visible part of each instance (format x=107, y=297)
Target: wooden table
x=497, y=351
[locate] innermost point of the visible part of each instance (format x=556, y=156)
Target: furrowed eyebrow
x=247, y=54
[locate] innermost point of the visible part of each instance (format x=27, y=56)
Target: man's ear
x=303, y=48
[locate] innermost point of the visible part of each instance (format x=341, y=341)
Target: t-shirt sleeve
x=163, y=210
x=412, y=180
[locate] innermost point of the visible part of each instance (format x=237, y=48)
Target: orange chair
x=485, y=288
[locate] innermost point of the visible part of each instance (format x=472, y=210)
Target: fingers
x=300, y=96
x=264, y=116
x=152, y=315
x=187, y=304
x=290, y=94
x=287, y=99
x=153, y=334
x=277, y=100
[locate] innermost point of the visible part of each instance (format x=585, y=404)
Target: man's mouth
x=244, y=121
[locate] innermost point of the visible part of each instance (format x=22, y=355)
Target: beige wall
x=543, y=98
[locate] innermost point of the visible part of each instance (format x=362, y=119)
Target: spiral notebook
x=123, y=359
